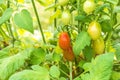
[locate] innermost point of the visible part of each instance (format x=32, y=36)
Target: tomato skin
x=68, y=54
x=99, y=45
x=66, y=17
x=89, y=6
x=64, y=41
x=94, y=30
x=63, y=2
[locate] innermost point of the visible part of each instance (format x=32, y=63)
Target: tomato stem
x=70, y=63
x=38, y=20
x=55, y=20
x=78, y=7
x=9, y=25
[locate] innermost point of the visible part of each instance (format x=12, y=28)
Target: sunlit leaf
x=23, y=20
x=6, y=15
x=82, y=40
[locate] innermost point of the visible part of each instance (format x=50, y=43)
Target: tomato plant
x=60, y=39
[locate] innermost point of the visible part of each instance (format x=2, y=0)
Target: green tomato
x=99, y=45
x=94, y=30
x=89, y=6
x=66, y=17
x=63, y=2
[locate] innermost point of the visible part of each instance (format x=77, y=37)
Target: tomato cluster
x=94, y=30
x=65, y=45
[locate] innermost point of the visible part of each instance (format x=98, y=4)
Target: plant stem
x=70, y=63
x=9, y=26
x=55, y=20
x=64, y=73
x=78, y=7
x=38, y=20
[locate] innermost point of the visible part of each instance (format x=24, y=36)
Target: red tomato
x=64, y=41
x=68, y=54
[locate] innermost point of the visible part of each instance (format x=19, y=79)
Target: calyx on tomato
x=94, y=30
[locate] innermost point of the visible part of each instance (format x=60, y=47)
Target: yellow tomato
x=99, y=45
x=94, y=30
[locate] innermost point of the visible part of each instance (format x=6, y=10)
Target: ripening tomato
x=94, y=30
x=63, y=2
x=99, y=45
x=68, y=54
x=66, y=17
x=64, y=41
x=89, y=6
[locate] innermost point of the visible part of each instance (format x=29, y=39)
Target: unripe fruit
x=66, y=17
x=99, y=45
x=63, y=2
x=89, y=6
x=94, y=30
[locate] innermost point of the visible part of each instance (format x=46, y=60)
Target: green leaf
x=29, y=75
x=101, y=8
x=6, y=15
x=37, y=56
x=101, y=67
x=62, y=78
x=82, y=18
x=40, y=69
x=56, y=57
x=88, y=53
x=86, y=77
x=81, y=42
x=1, y=1
x=113, y=1
x=24, y=20
x=115, y=75
x=11, y=64
x=117, y=48
x=54, y=71
x=4, y=52
x=106, y=26
x=116, y=9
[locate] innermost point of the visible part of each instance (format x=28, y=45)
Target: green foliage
x=115, y=75
x=116, y=9
x=82, y=40
x=88, y=53
x=29, y=75
x=6, y=15
x=106, y=26
x=4, y=52
x=37, y=56
x=54, y=72
x=117, y=52
x=113, y=1
x=1, y=1
x=13, y=63
x=100, y=68
x=24, y=20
